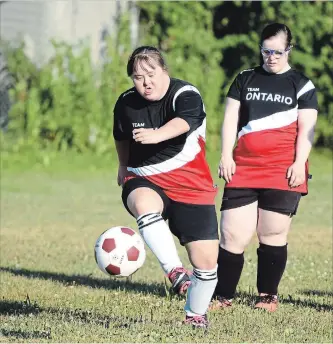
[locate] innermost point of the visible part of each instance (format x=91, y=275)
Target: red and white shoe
x=197, y=321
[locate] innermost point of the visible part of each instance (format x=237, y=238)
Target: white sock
x=159, y=239
x=200, y=292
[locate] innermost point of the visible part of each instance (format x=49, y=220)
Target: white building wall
x=66, y=20
x=20, y=20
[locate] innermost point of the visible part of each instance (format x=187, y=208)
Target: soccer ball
x=120, y=251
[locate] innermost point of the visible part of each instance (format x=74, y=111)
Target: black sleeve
x=189, y=107
x=308, y=97
x=235, y=88
x=119, y=132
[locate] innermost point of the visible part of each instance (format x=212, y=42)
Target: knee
x=233, y=243
x=272, y=235
x=139, y=207
x=142, y=202
x=273, y=228
x=207, y=263
x=273, y=238
x=206, y=260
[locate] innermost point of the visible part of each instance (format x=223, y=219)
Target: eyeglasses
x=278, y=53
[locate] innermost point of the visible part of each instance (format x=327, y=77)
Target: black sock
x=271, y=264
x=230, y=266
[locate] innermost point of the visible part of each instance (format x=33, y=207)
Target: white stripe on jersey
x=188, y=153
x=246, y=70
x=125, y=94
x=184, y=89
x=274, y=121
x=307, y=87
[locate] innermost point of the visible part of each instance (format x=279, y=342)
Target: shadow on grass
x=317, y=292
x=250, y=299
x=18, y=308
x=86, y=280
x=19, y=334
x=77, y=316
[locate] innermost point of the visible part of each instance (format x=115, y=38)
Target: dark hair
x=274, y=29
x=148, y=54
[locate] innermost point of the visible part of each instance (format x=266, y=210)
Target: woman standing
x=272, y=109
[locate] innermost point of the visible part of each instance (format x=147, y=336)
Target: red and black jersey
x=177, y=165
x=267, y=128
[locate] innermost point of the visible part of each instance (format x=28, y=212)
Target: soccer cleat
x=219, y=303
x=267, y=302
x=197, y=321
x=180, y=280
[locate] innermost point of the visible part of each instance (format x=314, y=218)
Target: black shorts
x=188, y=222
x=279, y=201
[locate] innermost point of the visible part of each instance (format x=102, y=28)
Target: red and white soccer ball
x=120, y=251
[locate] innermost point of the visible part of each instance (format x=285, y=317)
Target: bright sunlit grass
x=52, y=290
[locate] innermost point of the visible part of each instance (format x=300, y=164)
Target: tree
x=183, y=31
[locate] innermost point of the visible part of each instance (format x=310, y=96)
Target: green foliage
x=18, y=63
x=68, y=102
x=191, y=50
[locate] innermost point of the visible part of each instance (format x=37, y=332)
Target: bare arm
x=188, y=114
x=307, y=119
x=227, y=166
x=122, y=151
x=123, y=155
x=173, y=128
x=229, y=126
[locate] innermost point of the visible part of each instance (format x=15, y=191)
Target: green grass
x=53, y=210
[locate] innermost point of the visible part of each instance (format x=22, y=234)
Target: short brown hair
x=147, y=54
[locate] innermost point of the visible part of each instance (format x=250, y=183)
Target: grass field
x=52, y=290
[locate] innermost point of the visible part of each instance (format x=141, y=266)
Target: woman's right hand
x=122, y=174
x=227, y=168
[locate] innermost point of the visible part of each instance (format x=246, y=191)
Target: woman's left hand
x=146, y=136
x=296, y=174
